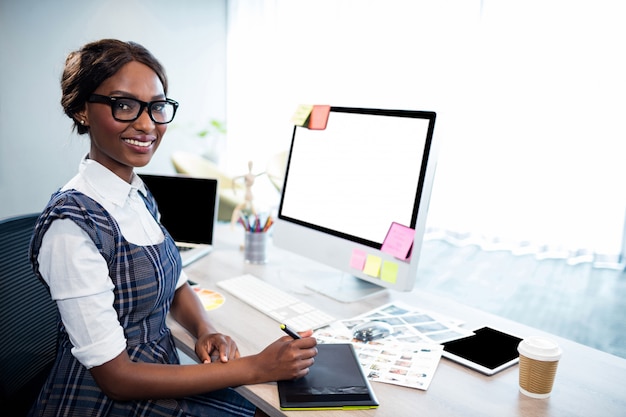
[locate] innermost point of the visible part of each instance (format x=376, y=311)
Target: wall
x=38, y=151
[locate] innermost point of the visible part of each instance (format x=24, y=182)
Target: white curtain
x=530, y=97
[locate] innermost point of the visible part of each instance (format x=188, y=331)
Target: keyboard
x=276, y=303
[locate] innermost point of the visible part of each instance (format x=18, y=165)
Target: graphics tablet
x=335, y=381
x=487, y=351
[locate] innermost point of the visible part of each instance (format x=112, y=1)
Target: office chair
x=28, y=325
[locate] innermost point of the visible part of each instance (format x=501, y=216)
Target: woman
x=115, y=273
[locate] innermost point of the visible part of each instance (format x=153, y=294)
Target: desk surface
x=588, y=382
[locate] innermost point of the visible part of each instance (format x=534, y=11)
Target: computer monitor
x=344, y=188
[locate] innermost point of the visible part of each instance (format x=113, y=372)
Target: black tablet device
x=488, y=350
x=335, y=381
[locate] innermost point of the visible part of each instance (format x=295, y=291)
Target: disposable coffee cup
x=538, y=360
x=255, y=248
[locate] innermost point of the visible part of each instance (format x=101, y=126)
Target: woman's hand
x=188, y=310
x=287, y=358
x=217, y=345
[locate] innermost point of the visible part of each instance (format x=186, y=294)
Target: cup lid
x=540, y=348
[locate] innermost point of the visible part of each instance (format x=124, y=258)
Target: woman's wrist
x=204, y=330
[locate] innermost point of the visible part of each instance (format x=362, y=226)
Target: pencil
x=268, y=223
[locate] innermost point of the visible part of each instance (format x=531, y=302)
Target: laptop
x=188, y=208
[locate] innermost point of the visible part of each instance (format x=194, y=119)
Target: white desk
x=588, y=382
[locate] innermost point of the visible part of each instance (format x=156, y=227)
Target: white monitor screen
x=346, y=184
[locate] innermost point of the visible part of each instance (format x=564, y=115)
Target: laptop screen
x=188, y=206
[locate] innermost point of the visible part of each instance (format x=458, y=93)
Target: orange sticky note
x=399, y=241
x=389, y=272
x=319, y=117
x=357, y=261
x=372, y=265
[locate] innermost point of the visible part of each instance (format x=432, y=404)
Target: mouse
x=372, y=330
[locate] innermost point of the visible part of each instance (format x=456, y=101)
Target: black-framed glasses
x=126, y=109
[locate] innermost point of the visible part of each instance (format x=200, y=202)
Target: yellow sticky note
x=389, y=272
x=302, y=114
x=372, y=265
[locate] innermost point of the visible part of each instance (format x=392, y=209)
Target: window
x=530, y=97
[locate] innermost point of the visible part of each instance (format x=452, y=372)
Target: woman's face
x=122, y=146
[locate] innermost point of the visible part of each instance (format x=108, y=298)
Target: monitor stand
x=343, y=287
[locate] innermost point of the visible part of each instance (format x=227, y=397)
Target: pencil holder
x=255, y=248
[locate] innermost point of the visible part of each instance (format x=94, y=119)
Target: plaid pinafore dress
x=145, y=280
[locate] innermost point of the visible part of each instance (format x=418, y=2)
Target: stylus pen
x=290, y=332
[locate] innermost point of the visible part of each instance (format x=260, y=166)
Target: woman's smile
x=140, y=142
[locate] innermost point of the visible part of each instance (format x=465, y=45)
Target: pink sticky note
x=319, y=117
x=399, y=241
x=357, y=261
